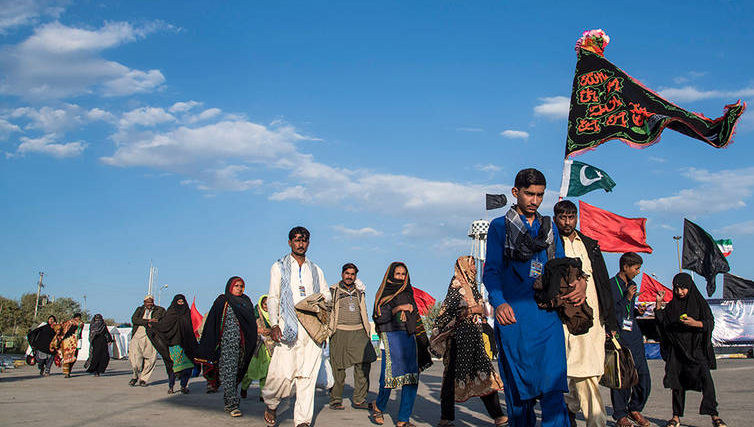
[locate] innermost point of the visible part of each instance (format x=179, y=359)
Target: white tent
x=118, y=349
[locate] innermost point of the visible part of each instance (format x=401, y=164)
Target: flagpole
x=678, y=247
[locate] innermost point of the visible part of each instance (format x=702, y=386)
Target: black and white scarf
x=519, y=245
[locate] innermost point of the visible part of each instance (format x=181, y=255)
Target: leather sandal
x=719, y=423
x=270, y=417
x=376, y=415
x=405, y=424
x=360, y=405
x=672, y=423
x=337, y=406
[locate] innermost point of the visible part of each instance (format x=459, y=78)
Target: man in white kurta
x=297, y=361
x=585, y=354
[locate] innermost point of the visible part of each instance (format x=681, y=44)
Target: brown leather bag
x=620, y=371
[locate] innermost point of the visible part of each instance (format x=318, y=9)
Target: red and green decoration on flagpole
x=607, y=103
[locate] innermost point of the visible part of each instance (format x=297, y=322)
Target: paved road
x=83, y=400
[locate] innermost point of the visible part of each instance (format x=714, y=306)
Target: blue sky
x=195, y=135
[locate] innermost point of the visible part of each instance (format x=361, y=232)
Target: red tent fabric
x=650, y=288
x=613, y=232
x=196, y=318
x=424, y=301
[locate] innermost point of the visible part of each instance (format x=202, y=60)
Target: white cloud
x=17, y=13
x=6, y=128
x=716, y=192
x=238, y=140
x=58, y=61
x=47, y=145
x=657, y=159
x=691, y=75
x=738, y=229
x=145, y=116
x=182, y=107
x=61, y=118
x=204, y=115
x=691, y=93
x=514, y=134
x=227, y=179
x=357, y=232
x=555, y=107
x=134, y=81
x=488, y=168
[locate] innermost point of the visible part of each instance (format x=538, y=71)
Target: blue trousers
x=408, y=395
x=521, y=412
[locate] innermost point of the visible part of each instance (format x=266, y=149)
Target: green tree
x=431, y=316
x=10, y=314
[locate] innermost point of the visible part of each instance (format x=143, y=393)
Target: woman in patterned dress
x=228, y=340
x=66, y=342
x=459, y=337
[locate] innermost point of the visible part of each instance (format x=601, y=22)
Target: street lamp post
x=678, y=247
x=159, y=294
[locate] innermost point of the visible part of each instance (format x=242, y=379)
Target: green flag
x=580, y=178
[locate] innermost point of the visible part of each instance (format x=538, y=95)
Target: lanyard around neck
x=628, y=306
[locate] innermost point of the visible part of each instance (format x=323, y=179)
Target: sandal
x=672, y=423
x=337, y=406
x=444, y=423
x=406, y=424
x=360, y=405
x=719, y=423
x=236, y=413
x=170, y=390
x=270, y=418
x=376, y=415
x=502, y=424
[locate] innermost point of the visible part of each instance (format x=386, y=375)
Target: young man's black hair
x=529, y=177
x=298, y=230
x=629, y=259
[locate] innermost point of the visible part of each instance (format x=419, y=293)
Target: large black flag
x=607, y=103
x=495, y=201
x=735, y=287
x=702, y=255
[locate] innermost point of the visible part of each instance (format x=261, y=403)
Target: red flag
x=196, y=318
x=613, y=232
x=424, y=301
x=650, y=288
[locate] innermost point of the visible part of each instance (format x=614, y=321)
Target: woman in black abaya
x=177, y=332
x=99, y=338
x=686, y=325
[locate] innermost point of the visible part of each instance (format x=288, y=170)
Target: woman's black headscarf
x=97, y=327
x=175, y=327
x=208, y=350
x=399, y=292
x=685, y=348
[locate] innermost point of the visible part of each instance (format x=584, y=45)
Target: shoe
x=142, y=383
x=244, y=393
x=184, y=390
x=132, y=382
x=624, y=422
x=170, y=390
x=639, y=419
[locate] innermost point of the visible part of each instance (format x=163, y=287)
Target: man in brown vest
x=351, y=342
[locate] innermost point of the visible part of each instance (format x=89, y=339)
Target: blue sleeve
x=493, y=264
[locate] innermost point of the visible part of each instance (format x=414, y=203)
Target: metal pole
x=39, y=289
x=678, y=247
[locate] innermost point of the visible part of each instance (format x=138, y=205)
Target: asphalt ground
x=84, y=400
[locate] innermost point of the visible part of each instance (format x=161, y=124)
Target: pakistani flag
x=580, y=178
x=725, y=245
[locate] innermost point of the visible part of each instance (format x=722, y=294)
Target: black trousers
x=709, y=401
x=448, y=392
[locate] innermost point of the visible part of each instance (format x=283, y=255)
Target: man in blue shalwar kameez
x=532, y=348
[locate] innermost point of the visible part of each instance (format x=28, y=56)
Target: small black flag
x=496, y=201
x=702, y=255
x=735, y=287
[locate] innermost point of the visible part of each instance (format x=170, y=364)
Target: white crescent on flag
x=588, y=181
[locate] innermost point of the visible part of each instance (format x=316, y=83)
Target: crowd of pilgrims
x=542, y=355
